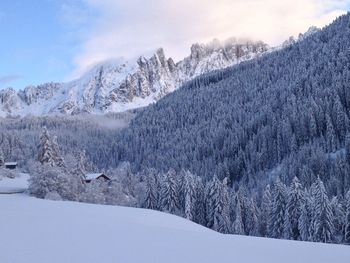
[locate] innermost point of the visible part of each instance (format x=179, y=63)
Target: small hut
x=96, y=176
x=10, y=165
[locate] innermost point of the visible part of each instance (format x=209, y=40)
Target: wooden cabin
x=10, y=165
x=96, y=176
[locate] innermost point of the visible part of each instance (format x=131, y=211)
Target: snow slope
x=8, y=185
x=41, y=231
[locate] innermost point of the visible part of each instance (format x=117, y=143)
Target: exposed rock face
x=116, y=86
x=291, y=40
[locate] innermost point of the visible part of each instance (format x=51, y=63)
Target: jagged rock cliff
x=119, y=85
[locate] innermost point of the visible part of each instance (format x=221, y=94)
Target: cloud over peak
x=129, y=28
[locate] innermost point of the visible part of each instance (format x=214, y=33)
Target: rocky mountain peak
x=119, y=85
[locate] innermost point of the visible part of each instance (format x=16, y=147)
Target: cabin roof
x=10, y=163
x=94, y=176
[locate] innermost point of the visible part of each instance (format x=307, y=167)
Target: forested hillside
x=286, y=113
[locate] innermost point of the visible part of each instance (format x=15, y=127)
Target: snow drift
x=41, y=231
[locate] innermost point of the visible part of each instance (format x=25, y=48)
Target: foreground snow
x=8, y=185
x=41, y=231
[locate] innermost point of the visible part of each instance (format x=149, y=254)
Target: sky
x=58, y=40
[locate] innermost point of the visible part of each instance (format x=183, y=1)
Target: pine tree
x=295, y=200
x=200, y=202
x=237, y=227
x=312, y=127
x=218, y=206
x=287, y=227
x=2, y=159
x=347, y=148
x=170, y=200
x=252, y=221
x=278, y=210
x=340, y=118
x=347, y=219
x=151, y=201
x=338, y=217
x=322, y=225
x=266, y=205
x=82, y=164
x=304, y=223
x=49, y=151
x=331, y=136
x=190, y=197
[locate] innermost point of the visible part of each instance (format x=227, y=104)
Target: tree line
x=292, y=212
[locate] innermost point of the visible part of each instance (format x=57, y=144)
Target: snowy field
x=41, y=231
x=8, y=185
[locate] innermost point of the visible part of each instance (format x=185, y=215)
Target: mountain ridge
x=120, y=85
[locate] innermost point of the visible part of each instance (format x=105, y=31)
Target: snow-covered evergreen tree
x=218, y=206
x=287, y=227
x=338, y=219
x=82, y=164
x=200, y=201
x=304, y=223
x=279, y=205
x=170, y=200
x=347, y=218
x=2, y=159
x=331, y=136
x=295, y=200
x=152, y=192
x=266, y=205
x=49, y=151
x=237, y=226
x=322, y=217
x=190, y=196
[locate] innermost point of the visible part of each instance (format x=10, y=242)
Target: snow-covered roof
x=94, y=176
x=10, y=163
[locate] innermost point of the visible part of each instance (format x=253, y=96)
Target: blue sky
x=35, y=45
x=57, y=40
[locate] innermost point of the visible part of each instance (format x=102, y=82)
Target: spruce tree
x=151, y=200
x=295, y=200
x=237, y=226
x=190, y=197
x=200, y=202
x=279, y=205
x=2, y=159
x=304, y=223
x=82, y=164
x=331, y=136
x=266, y=205
x=218, y=206
x=49, y=151
x=170, y=200
x=287, y=227
x=322, y=217
x=347, y=218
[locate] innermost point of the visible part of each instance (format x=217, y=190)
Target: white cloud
x=128, y=28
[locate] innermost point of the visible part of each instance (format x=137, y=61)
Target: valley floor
x=41, y=231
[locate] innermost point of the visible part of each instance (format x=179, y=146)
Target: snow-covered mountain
x=119, y=85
